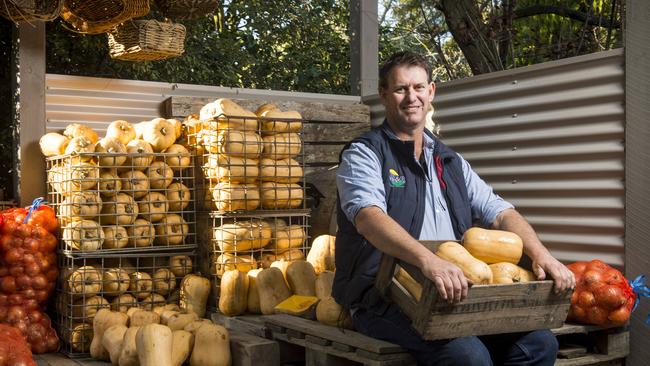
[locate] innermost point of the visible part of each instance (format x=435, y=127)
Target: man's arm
x=389, y=237
x=543, y=261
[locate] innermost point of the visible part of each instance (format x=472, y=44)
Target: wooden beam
x=637, y=169
x=29, y=74
x=364, y=47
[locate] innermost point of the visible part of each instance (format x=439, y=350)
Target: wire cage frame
x=255, y=241
x=100, y=16
x=120, y=203
x=186, y=9
x=28, y=10
x=249, y=164
x=119, y=283
x=146, y=40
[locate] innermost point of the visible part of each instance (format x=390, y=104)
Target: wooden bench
x=592, y=345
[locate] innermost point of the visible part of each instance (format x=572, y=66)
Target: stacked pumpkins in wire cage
x=126, y=209
x=253, y=168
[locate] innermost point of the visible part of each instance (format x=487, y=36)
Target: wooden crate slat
x=313, y=111
x=354, y=339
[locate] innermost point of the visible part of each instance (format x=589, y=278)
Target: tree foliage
x=286, y=45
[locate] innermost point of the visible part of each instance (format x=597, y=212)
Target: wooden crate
x=488, y=309
x=592, y=345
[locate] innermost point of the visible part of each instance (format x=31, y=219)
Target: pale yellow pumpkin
x=53, y=144
x=121, y=130
x=281, y=145
x=230, y=169
x=134, y=183
x=233, y=293
x=111, y=152
x=321, y=254
x=281, y=171
x=234, y=197
x=281, y=195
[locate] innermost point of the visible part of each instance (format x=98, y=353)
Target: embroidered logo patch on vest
x=395, y=180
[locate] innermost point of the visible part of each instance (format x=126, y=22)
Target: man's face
x=407, y=96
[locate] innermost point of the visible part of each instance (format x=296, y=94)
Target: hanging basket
x=186, y=9
x=28, y=10
x=146, y=40
x=100, y=16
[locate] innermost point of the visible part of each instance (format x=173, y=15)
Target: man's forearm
x=389, y=237
x=511, y=220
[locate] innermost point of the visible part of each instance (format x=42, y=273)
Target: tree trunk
x=472, y=35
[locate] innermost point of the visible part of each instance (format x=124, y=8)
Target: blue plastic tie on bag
x=641, y=290
x=36, y=203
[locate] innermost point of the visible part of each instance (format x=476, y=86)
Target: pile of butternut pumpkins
x=248, y=158
x=485, y=257
x=167, y=336
x=246, y=289
x=127, y=189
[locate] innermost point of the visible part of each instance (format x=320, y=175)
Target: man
x=399, y=184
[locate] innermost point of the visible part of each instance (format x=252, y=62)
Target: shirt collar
x=429, y=142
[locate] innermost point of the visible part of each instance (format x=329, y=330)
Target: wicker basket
x=146, y=40
x=100, y=16
x=186, y=9
x=27, y=10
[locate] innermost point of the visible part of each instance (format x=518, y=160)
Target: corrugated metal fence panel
x=550, y=139
x=99, y=101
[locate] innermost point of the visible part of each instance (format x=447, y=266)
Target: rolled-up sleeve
x=359, y=180
x=486, y=205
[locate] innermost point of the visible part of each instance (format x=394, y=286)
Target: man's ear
x=433, y=91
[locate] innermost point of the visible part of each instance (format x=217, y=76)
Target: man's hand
x=563, y=277
x=451, y=283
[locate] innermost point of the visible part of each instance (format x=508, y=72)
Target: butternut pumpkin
x=112, y=341
x=53, y=144
x=111, y=152
x=143, y=317
x=223, y=113
x=194, y=294
x=102, y=321
x=301, y=278
x=281, y=171
x=227, y=261
x=141, y=233
x=129, y=354
x=242, y=235
x=234, y=197
x=179, y=321
x=281, y=145
x=182, y=344
x=165, y=315
x=321, y=254
x=253, y=298
x=329, y=312
x=233, y=293
x=180, y=265
x=154, y=343
x=121, y=130
x=493, y=246
x=177, y=157
x=140, y=155
x=506, y=272
x=409, y=283
x=324, y=282
x=211, y=346
x=281, y=195
x=287, y=237
x=178, y=197
x=245, y=144
x=75, y=130
x=288, y=255
x=196, y=324
x=160, y=175
x=475, y=270
x=231, y=169
x=272, y=289
x=151, y=301
x=281, y=121
x=172, y=230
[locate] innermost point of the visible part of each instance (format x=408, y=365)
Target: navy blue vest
x=357, y=261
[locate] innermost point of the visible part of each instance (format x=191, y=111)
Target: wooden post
x=29, y=107
x=637, y=169
x=364, y=47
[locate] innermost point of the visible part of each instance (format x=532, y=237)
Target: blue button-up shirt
x=360, y=185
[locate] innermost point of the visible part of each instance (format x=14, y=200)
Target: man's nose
x=411, y=95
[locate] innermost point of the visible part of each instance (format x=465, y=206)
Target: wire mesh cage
x=146, y=40
x=256, y=241
x=186, y=9
x=249, y=163
x=28, y=10
x=117, y=202
x=115, y=282
x=7, y=204
x=100, y=16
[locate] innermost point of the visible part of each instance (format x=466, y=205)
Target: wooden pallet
x=592, y=345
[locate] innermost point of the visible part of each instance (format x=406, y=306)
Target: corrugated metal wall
x=99, y=101
x=550, y=139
